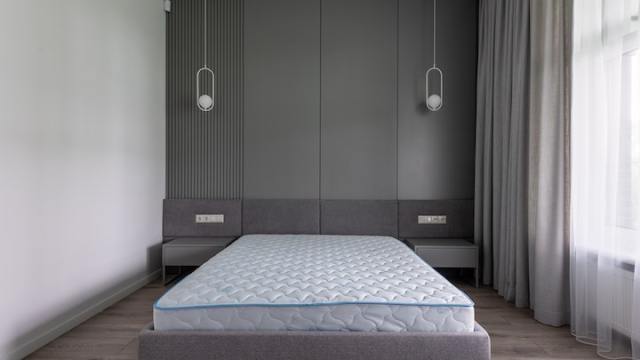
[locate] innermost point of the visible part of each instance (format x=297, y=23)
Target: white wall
x=82, y=158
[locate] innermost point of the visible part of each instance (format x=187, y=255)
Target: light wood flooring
x=112, y=334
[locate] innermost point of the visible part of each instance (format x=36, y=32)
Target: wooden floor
x=514, y=334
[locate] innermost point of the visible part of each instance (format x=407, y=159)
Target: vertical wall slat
x=204, y=149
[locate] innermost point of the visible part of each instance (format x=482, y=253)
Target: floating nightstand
x=448, y=253
x=191, y=251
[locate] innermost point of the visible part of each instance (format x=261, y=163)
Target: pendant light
x=433, y=100
x=205, y=102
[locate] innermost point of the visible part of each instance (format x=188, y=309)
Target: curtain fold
x=549, y=171
x=501, y=152
x=521, y=171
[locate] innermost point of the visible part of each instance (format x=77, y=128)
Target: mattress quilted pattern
x=315, y=282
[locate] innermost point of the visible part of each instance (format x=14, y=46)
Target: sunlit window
x=606, y=129
x=628, y=197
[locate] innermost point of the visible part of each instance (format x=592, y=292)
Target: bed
x=322, y=293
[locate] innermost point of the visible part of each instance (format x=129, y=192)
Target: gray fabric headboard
x=331, y=217
x=280, y=217
x=359, y=217
x=459, y=215
x=179, y=218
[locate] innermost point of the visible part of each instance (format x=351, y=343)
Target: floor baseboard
x=81, y=316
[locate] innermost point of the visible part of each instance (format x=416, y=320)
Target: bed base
x=313, y=345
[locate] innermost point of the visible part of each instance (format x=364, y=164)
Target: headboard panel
x=179, y=218
x=311, y=216
x=359, y=217
x=459, y=215
x=281, y=217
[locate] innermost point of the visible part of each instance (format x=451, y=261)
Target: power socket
x=209, y=219
x=432, y=219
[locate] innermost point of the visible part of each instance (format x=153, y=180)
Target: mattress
x=315, y=283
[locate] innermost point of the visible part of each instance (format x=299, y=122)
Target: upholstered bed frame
x=313, y=345
x=343, y=217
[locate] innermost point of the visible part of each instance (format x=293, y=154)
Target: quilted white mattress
x=315, y=282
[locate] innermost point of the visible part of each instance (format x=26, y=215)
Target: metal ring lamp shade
x=205, y=102
x=434, y=100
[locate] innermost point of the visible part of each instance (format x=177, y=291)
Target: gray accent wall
x=204, y=149
x=358, y=120
x=323, y=99
x=436, y=150
x=282, y=99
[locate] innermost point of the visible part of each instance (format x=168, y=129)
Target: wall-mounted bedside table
x=192, y=251
x=448, y=253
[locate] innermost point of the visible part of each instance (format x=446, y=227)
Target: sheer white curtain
x=605, y=189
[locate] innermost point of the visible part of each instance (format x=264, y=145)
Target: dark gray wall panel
x=282, y=99
x=358, y=120
x=459, y=215
x=204, y=149
x=436, y=150
x=332, y=94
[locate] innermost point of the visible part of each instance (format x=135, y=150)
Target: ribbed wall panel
x=204, y=149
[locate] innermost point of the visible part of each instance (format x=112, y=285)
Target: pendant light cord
x=205, y=33
x=434, y=33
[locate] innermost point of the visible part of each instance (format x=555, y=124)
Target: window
x=606, y=127
x=628, y=196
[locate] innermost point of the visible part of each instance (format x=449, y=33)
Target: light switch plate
x=209, y=218
x=432, y=219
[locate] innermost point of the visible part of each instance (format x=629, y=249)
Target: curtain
x=520, y=154
x=549, y=119
x=605, y=187
x=501, y=151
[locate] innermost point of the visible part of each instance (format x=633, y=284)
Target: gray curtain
x=549, y=172
x=520, y=154
x=501, y=146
